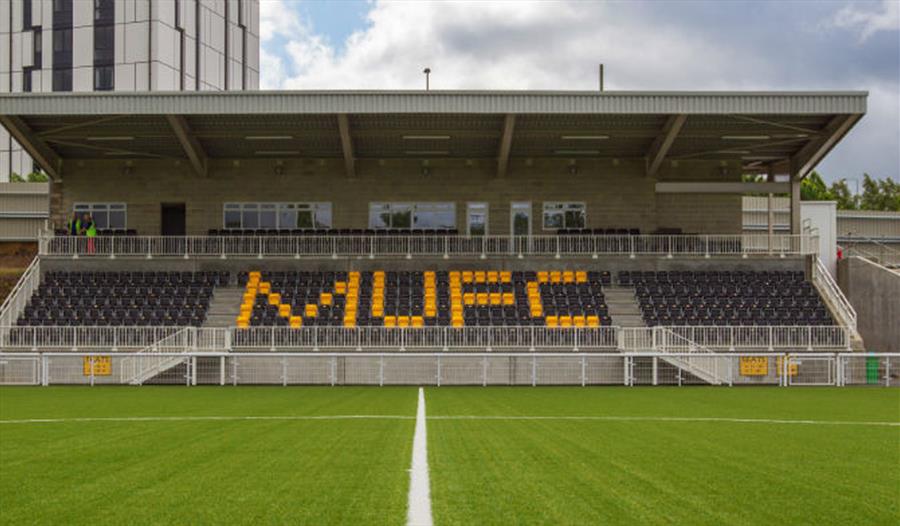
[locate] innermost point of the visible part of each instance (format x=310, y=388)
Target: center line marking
x=419, y=513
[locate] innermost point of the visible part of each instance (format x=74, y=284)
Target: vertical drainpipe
x=149, y=45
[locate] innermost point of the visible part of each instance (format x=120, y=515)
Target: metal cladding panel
x=535, y=102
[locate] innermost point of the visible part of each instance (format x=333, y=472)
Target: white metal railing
x=158, y=357
x=427, y=245
x=18, y=298
x=692, y=357
x=429, y=368
x=606, y=339
x=829, y=289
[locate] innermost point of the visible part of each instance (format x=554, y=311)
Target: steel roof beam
x=45, y=156
x=509, y=124
x=189, y=144
x=347, y=145
x=815, y=150
x=663, y=143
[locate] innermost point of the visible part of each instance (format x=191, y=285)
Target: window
x=104, y=11
x=26, y=80
x=476, y=219
x=280, y=216
x=26, y=14
x=103, y=78
x=104, y=45
x=106, y=216
x=62, y=79
x=426, y=216
x=37, y=47
x=564, y=215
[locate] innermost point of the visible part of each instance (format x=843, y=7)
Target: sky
x=645, y=45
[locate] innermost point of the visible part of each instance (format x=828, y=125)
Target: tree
x=33, y=177
x=813, y=188
x=880, y=194
x=840, y=192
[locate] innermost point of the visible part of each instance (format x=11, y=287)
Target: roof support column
x=509, y=124
x=795, y=206
x=189, y=143
x=347, y=145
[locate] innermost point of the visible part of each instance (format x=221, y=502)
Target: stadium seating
x=425, y=298
x=122, y=298
x=726, y=298
x=331, y=232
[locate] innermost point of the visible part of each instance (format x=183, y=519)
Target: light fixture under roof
x=734, y=152
x=427, y=152
x=745, y=137
x=112, y=138
x=276, y=153
x=577, y=152
x=269, y=137
x=791, y=135
x=426, y=137
x=584, y=137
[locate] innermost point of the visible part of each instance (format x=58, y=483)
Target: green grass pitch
x=305, y=469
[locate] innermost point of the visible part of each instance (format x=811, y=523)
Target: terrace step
x=623, y=307
x=224, y=307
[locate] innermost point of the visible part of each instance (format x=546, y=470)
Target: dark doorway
x=172, y=219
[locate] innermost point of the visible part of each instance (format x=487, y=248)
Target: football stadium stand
x=447, y=237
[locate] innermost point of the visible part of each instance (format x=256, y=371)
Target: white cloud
x=885, y=17
x=557, y=45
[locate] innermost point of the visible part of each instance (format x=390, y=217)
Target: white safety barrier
x=439, y=369
x=833, y=295
x=609, y=338
x=320, y=246
x=18, y=298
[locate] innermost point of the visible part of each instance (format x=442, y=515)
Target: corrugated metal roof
x=522, y=102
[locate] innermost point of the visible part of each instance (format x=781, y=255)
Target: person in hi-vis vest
x=89, y=228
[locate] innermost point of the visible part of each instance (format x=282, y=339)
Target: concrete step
x=224, y=307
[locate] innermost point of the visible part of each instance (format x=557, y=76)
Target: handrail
x=20, y=295
x=608, y=338
x=705, y=367
x=304, y=246
x=844, y=310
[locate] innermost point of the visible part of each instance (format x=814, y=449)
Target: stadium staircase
x=157, y=358
x=623, y=306
x=693, y=358
x=837, y=303
x=224, y=307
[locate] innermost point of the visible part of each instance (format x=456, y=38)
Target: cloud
x=689, y=45
x=885, y=17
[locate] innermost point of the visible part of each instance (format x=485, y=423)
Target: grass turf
x=482, y=471
x=652, y=472
x=203, y=472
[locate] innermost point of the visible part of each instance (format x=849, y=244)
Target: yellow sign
x=102, y=365
x=754, y=366
x=779, y=367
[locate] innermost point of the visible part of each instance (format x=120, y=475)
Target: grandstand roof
x=790, y=130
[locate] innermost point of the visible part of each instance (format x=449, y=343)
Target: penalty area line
x=685, y=419
x=419, y=511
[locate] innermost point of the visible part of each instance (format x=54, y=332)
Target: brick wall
x=617, y=192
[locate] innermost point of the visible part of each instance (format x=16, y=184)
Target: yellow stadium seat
x=467, y=276
x=243, y=324
x=552, y=321
x=274, y=298
x=543, y=276
x=296, y=321
x=578, y=321
x=481, y=298
x=496, y=298
x=581, y=276
x=340, y=287
x=325, y=298
x=265, y=287
x=565, y=321
x=593, y=321
x=390, y=321
x=493, y=276
x=509, y=298
x=284, y=310
x=311, y=310
x=505, y=276
x=469, y=298
x=568, y=276
x=555, y=276
x=402, y=321
x=417, y=321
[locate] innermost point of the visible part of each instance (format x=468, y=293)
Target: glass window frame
x=562, y=211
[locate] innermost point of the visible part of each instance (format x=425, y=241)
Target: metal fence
x=18, y=298
x=436, y=369
x=319, y=246
x=397, y=339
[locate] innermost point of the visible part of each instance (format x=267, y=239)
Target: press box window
x=564, y=215
x=277, y=216
x=424, y=216
x=107, y=216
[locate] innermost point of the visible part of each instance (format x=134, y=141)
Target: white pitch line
x=419, y=513
x=202, y=418
x=667, y=419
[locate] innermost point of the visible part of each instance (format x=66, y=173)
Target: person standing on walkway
x=90, y=230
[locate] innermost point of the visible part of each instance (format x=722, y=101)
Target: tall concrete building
x=123, y=45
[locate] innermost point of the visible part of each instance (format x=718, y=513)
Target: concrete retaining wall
x=874, y=291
